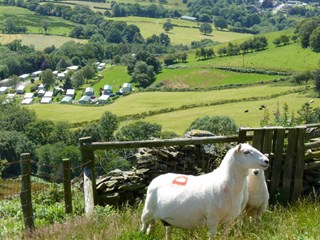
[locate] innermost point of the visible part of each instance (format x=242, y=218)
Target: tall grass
x=299, y=221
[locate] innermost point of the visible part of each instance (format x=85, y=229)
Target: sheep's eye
x=246, y=152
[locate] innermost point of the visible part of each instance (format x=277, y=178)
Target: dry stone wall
x=118, y=187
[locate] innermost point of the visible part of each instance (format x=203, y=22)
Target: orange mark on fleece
x=181, y=180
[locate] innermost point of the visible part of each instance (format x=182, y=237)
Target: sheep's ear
x=238, y=148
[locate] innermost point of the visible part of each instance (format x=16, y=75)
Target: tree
x=139, y=131
x=169, y=60
x=315, y=40
x=9, y=26
x=109, y=123
x=14, y=117
x=316, y=75
x=13, y=143
x=267, y=4
x=219, y=125
x=205, y=28
x=305, y=29
x=88, y=72
x=4, y=71
x=77, y=79
x=143, y=74
x=45, y=25
x=277, y=42
x=284, y=39
x=49, y=158
x=41, y=132
x=47, y=78
x=167, y=26
x=221, y=23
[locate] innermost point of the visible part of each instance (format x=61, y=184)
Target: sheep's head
x=250, y=157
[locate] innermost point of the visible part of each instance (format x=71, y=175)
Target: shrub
x=219, y=125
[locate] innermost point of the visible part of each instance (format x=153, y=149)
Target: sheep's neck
x=235, y=179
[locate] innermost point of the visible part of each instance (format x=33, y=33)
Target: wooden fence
x=285, y=145
x=287, y=148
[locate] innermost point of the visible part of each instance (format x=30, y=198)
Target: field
x=96, y=6
x=204, y=78
x=58, y=28
x=183, y=33
x=39, y=41
x=179, y=120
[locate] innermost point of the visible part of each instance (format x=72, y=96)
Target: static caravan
x=61, y=76
x=101, y=66
x=28, y=95
x=48, y=94
x=66, y=100
x=4, y=90
x=89, y=91
x=126, y=88
x=46, y=100
x=103, y=99
x=41, y=93
x=27, y=101
x=24, y=76
x=107, y=89
x=70, y=93
x=74, y=68
x=84, y=100
x=20, y=89
x=36, y=74
x=41, y=87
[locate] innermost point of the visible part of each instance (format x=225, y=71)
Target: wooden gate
x=285, y=147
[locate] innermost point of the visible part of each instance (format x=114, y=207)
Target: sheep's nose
x=256, y=172
x=266, y=161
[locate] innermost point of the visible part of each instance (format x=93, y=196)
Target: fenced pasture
x=204, y=78
x=27, y=18
x=183, y=106
x=170, y=4
x=39, y=41
x=293, y=58
x=184, y=32
x=287, y=150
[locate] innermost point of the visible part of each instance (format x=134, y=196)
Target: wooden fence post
x=67, y=185
x=89, y=178
x=25, y=194
x=299, y=165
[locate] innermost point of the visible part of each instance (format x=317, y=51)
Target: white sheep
x=188, y=201
x=256, y=201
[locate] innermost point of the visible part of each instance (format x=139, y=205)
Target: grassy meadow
x=178, y=120
x=170, y=4
x=299, y=221
x=57, y=34
x=184, y=32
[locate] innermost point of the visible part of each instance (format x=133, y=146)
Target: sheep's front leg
x=168, y=232
x=212, y=227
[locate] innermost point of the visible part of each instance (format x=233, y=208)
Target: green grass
x=179, y=35
x=203, y=78
x=114, y=76
x=171, y=4
x=299, y=221
x=24, y=17
x=174, y=121
x=182, y=119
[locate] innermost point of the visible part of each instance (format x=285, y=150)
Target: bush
x=219, y=125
